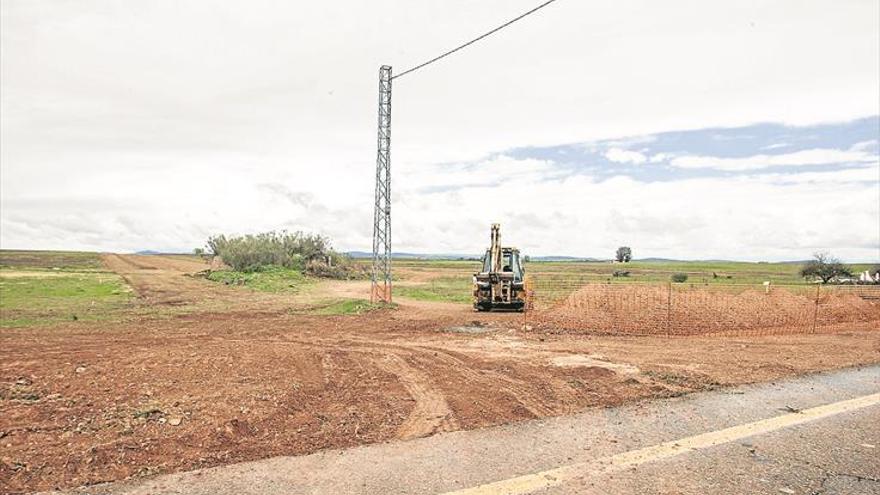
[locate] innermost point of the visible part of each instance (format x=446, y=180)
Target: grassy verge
x=445, y=289
x=269, y=280
x=37, y=297
x=345, y=307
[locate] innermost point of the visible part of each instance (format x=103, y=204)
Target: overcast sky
x=701, y=129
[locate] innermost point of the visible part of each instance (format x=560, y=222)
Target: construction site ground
x=202, y=374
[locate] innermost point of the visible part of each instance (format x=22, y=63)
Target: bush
x=339, y=267
x=310, y=253
x=679, y=277
x=621, y=273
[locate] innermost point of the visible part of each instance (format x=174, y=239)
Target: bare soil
x=244, y=378
x=700, y=310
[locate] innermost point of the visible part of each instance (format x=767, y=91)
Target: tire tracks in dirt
x=431, y=413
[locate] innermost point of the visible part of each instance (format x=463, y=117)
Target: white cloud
x=237, y=117
x=870, y=175
x=769, y=216
x=762, y=216
x=868, y=145
x=809, y=157
x=625, y=156
x=660, y=157
x=776, y=146
x=491, y=171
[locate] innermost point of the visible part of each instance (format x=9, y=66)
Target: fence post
x=668, y=307
x=816, y=308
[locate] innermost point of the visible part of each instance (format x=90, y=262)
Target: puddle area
x=592, y=360
x=475, y=327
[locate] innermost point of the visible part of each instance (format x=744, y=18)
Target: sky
x=685, y=129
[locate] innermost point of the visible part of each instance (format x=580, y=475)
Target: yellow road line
x=553, y=477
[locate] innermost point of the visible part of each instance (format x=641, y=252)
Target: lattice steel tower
x=381, y=287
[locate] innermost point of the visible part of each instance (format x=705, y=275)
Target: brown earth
x=643, y=309
x=242, y=378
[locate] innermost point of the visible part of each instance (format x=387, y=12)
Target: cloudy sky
x=686, y=129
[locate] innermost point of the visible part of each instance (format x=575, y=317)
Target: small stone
x=787, y=490
x=175, y=421
x=80, y=369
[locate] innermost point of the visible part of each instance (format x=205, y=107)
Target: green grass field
x=46, y=287
x=717, y=272
x=344, y=307
x=270, y=280
x=449, y=289
x=452, y=280
x=49, y=287
x=50, y=260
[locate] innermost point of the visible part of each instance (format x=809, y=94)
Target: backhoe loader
x=501, y=283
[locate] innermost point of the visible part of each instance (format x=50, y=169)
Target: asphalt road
x=807, y=435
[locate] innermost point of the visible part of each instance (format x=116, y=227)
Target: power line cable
x=471, y=42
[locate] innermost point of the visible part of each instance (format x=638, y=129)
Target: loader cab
x=510, y=263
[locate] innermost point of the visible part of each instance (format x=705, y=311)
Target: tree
x=825, y=267
x=623, y=254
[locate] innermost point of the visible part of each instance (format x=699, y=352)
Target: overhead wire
x=471, y=42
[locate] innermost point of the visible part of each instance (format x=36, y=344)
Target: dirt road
x=86, y=403
x=171, y=281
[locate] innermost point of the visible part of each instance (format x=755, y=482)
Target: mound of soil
x=654, y=309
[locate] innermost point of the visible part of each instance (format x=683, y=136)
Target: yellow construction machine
x=501, y=283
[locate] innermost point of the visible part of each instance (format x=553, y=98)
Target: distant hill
x=415, y=256
x=573, y=259
x=564, y=258
x=423, y=256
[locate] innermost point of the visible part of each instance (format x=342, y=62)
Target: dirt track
x=85, y=403
x=168, y=281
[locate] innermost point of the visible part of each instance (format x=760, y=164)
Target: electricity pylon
x=381, y=276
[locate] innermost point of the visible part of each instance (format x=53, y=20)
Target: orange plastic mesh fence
x=573, y=304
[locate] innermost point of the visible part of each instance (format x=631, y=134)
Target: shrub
x=621, y=273
x=310, y=253
x=679, y=277
x=337, y=266
x=252, y=253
